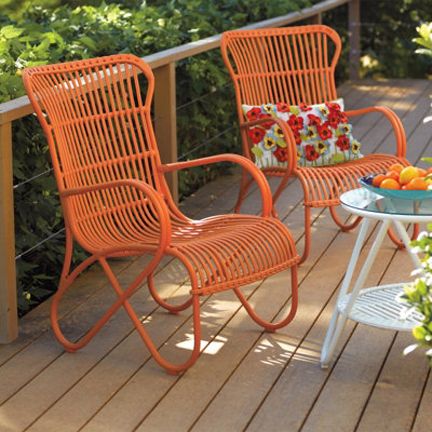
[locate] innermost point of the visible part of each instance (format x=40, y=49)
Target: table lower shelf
x=379, y=307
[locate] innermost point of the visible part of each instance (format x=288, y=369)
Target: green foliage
x=425, y=39
x=387, y=30
x=419, y=293
x=31, y=34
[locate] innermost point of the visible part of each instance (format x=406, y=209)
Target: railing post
x=166, y=119
x=316, y=19
x=8, y=295
x=354, y=38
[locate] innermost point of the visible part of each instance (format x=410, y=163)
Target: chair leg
x=174, y=309
x=344, y=227
x=245, y=184
x=66, y=281
x=168, y=366
x=123, y=301
x=269, y=326
x=307, y=234
x=399, y=243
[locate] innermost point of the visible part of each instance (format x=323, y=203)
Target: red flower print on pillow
x=343, y=118
x=256, y=134
x=343, y=142
x=314, y=120
x=304, y=107
x=321, y=132
x=253, y=114
x=333, y=106
x=281, y=154
x=333, y=119
x=310, y=153
x=324, y=131
x=267, y=124
x=282, y=107
x=297, y=137
x=295, y=122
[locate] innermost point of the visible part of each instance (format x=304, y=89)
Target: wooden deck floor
x=245, y=379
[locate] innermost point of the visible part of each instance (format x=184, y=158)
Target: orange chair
x=296, y=65
x=116, y=201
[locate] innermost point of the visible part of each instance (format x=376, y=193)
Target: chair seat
x=323, y=185
x=233, y=250
x=224, y=251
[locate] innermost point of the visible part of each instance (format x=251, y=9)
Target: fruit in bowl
x=399, y=177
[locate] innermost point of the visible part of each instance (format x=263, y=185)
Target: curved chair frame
x=116, y=201
x=297, y=65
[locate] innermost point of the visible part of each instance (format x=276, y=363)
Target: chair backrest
x=292, y=65
x=97, y=120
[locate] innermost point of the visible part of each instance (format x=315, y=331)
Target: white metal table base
x=358, y=304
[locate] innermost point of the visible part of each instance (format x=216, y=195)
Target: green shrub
x=419, y=293
x=206, y=120
x=387, y=31
x=424, y=39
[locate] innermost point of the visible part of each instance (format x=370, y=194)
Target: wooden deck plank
x=218, y=299
x=423, y=421
x=239, y=406
x=29, y=362
x=219, y=209
x=115, y=387
x=346, y=419
x=340, y=403
x=163, y=417
x=289, y=415
x=399, y=372
x=316, y=290
x=116, y=410
x=69, y=378
x=24, y=372
x=34, y=324
x=397, y=391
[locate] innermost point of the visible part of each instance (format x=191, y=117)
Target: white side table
x=376, y=306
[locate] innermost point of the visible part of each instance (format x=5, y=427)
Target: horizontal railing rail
x=163, y=64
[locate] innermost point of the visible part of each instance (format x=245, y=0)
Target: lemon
x=407, y=174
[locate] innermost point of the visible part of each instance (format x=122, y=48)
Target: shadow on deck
x=245, y=379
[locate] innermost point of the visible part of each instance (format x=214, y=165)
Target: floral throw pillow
x=322, y=133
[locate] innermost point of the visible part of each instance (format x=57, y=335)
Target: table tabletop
x=366, y=203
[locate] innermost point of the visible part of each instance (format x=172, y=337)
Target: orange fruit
x=396, y=167
x=429, y=170
x=417, y=183
x=378, y=179
x=407, y=174
x=393, y=174
x=422, y=172
x=389, y=183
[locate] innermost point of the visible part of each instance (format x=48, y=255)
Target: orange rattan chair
x=116, y=202
x=296, y=65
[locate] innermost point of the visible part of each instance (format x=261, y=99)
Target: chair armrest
x=155, y=198
x=244, y=162
x=395, y=121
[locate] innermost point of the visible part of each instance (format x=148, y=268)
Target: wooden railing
x=164, y=65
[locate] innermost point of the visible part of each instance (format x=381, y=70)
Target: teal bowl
x=412, y=195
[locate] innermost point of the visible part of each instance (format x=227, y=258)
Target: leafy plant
x=425, y=39
x=419, y=293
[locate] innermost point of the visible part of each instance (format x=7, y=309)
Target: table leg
x=406, y=240
x=338, y=320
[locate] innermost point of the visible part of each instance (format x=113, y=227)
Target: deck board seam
x=299, y=202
